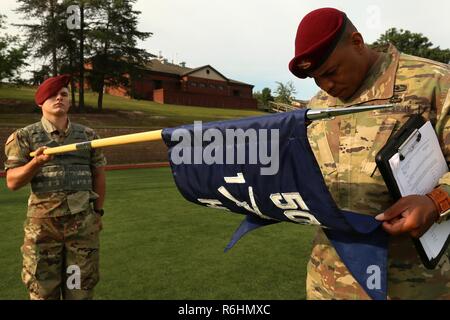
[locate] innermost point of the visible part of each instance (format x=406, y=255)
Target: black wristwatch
x=100, y=211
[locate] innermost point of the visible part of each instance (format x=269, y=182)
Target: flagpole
x=105, y=142
x=311, y=115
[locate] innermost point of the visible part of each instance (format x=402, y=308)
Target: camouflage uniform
x=61, y=228
x=345, y=148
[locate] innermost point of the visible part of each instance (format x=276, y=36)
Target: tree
x=257, y=95
x=81, y=55
x=42, y=35
x=40, y=75
x=75, y=39
x=106, y=35
x=51, y=38
x=263, y=97
x=266, y=96
x=68, y=51
x=413, y=43
x=13, y=54
x=285, y=92
x=113, y=40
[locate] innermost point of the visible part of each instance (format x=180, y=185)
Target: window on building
x=193, y=84
x=212, y=86
x=236, y=93
x=220, y=87
x=207, y=71
x=202, y=85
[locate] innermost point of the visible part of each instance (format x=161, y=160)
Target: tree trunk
x=100, y=94
x=72, y=63
x=81, y=58
x=54, y=63
x=73, y=87
x=53, y=24
x=72, y=81
x=102, y=79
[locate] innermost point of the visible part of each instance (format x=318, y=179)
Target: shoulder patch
x=11, y=138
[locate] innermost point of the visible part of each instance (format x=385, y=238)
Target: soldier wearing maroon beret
x=61, y=243
x=329, y=49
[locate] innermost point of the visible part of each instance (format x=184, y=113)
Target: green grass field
x=156, y=245
x=17, y=106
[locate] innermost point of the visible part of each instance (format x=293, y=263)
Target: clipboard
x=406, y=142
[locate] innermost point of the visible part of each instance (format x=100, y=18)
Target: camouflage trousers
x=61, y=256
x=329, y=279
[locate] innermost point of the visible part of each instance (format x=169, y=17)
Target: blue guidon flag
x=264, y=168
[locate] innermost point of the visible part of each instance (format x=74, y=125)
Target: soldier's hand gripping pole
x=311, y=114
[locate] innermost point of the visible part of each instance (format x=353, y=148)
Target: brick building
x=169, y=83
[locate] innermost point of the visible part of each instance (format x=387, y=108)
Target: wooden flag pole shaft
x=106, y=142
x=311, y=114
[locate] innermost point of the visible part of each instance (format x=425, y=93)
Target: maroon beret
x=317, y=35
x=50, y=88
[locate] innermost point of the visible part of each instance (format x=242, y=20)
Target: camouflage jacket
x=345, y=148
x=51, y=204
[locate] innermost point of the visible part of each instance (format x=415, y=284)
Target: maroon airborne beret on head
x=50, y=88
x=317, y=35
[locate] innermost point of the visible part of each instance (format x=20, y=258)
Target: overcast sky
x=253, y=40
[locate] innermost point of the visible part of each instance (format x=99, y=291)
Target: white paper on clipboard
x=417, y=168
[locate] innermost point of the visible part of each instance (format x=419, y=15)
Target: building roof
x=167, y=67
x=204, y=67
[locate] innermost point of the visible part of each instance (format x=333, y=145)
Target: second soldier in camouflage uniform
x=61, y=244
x=345, y=148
